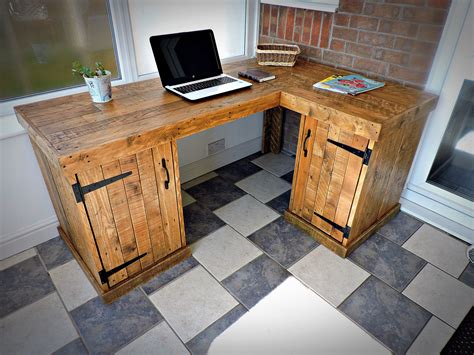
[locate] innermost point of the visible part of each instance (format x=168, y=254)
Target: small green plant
x=87, y=72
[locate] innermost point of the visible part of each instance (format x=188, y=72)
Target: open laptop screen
x=187, y=56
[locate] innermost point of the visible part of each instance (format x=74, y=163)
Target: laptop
x=189, y=65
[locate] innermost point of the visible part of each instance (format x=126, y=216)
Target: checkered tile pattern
x=242, y=250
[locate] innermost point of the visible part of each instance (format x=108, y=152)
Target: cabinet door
x=329, y=163
x=132, y=205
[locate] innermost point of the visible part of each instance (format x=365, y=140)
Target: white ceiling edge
x=325, y=6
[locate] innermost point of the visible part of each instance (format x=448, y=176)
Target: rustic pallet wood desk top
x=80, y=134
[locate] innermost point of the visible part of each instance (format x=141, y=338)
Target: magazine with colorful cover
x=350, y=84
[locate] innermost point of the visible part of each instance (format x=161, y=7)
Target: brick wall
x=393, y=39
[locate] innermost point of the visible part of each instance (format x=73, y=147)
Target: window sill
x=325, y=6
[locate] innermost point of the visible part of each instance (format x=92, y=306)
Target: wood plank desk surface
x=80, y=134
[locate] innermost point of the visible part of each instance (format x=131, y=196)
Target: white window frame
x=318, y=5
x=125, y=51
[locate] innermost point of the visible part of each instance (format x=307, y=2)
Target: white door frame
x=432, y=204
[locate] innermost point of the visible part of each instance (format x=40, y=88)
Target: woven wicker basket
x=277, y=54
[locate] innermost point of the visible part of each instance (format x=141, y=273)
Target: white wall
x=27, y=217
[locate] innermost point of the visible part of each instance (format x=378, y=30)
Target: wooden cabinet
x=347, y=185
x=124, y=217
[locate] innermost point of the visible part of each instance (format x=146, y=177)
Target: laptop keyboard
x=204, y=85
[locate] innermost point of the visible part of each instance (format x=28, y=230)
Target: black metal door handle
x=305, y=149
x=167, y=181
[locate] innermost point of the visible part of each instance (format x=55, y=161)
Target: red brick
x=442, y=4
x=273, y=20
x=266, y=20
x=352, y=6
x=316, y=30
x=310, y=52
x=424, y=15
x=282, y=21
x=364, y=22
x=326, y=29
x=406, y=74
x=298, y=30
x=371, y=66
x=290, y=23
x=308, y=20
x=376, y=39
x=265, y=39
x=359, y=50
x=337, y=45
x=430, y=33
x=344, y=33
x=399, y=28
x=391, y=56
x=341, y=19
x=407, y=2
x=409, y=45
x=336, y=58
x=421, y=62
x=382, y=10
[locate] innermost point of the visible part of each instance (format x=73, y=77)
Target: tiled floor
x=408, y=286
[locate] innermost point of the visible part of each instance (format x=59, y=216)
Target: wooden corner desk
x=112, y=169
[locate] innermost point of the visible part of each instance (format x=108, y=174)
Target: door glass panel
x=453, y=167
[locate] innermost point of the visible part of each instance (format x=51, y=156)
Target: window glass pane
x=39, y=39
x=225, y=17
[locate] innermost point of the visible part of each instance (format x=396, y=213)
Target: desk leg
x=272, y=130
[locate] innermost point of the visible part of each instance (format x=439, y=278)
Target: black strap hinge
x=104, y=275
x=80, y=191
x=345, y=230
x=365, y=155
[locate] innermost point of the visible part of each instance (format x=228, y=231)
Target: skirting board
x=45, y=230
x=215, y=161
x=29, y=237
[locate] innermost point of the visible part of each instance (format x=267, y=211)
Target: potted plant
x=98, y=81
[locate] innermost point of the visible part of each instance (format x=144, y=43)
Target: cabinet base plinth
x=122, y=288
x=332, y=244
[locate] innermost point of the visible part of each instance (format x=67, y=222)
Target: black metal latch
x=80, y=191
x=365, y=155
x=104, y=275
x=345, y=230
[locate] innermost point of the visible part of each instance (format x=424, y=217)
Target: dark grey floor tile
x=385, y=313
x=288, y=177
x=467, y=275
x=75, y=347
x=283, y=242
x=400, y=228
x=239, y=170
x=199, y=345
x=280, y=203
x=169, y=275
x=54, y=253
x=255, y=280
x=106, y=328
x=199, y=221
x=215, y=193
x=22, y=284
x=388, y=261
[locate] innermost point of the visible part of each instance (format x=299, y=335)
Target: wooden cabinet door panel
x=135, y=215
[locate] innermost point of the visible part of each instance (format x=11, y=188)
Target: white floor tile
x=198, y=180
x=294, y=320
x=187, y=198
x=224, y=251
x=72, y=284
x=160, y=340
x=440, y=249
x=277, y=164
x=246, y=215
x=444, y=296
x=39, y=328
x=432, y=338
x=264, y=186
x=330, y=276
x=193, y=302
x=15, y=259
